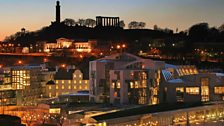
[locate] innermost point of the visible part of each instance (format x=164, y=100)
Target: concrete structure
x=124, y=78
x=107, y=21
x=66, y=81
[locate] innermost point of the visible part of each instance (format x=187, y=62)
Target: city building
x=125, y=79
x=186, y=84
x=21, y=85
x=66, y=81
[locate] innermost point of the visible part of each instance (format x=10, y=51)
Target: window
x=56, y=94
x=69, y=81
x=80, y=87
x=56, y=86
x=86, y=81
x=75, y=87
x=131, y=85
x=56, y=81
x=80, y=81
x=69, y=87
x=63, y=87
x=62, y=81
x=118, y=85
x=80, y=76
x=49, y=87
x=74, y=81
x=179, y=89
x=50, y=95
x=136, y=84
x=86, y=87
x=219, y=90
x=113, y=85
x=192, y=90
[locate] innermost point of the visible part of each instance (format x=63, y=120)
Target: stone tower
x=58, y=13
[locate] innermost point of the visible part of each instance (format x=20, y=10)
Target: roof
x=176, y=81
x=51, y=82
x=63, y=74
x=145, y=110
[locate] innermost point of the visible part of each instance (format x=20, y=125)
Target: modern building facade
x=21, y=85
x=186, y=84
x=125, y=79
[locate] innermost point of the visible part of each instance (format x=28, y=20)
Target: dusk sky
x=34, y=14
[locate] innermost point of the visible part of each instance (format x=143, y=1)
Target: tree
x=199, y=32
x=69, y=22
x=133, y=25
x=59, y=118
x=122, y=24
x=90, y=22
x=141, y=25
x=156, y=28
x=81, y=22
x=221, y=28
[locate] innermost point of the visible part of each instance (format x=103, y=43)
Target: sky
x=181, y=14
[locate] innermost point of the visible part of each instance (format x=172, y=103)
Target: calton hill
x=198, y=43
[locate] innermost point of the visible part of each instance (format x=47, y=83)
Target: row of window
x=196, y=90
x=70, y=81
x=69, y=87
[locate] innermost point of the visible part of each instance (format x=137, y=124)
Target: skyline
x=33, y=14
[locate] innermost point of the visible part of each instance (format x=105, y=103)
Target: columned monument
x=107, y=21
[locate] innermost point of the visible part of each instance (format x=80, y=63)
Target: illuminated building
x=186, y=84
x=21, y=85
x=66, y=81
x=125, y=79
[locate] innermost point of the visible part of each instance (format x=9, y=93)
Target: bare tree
x=141, y=25
x=69, y=22
x=221, y=28
x=133, y=25
x=90, y=22
x=122, y=24
x=59, y=118
x=81, y=22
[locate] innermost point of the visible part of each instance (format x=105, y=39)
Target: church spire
x=58, y=13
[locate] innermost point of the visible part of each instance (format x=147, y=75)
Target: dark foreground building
x=7, y=120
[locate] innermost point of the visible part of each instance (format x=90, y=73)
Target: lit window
x=62, y=87
x=86, y=81
x=75, y=87
x=192, y=90
x=118, y=85
x=86, y=87
x=56, y=94
x=50, y=95
x=69, y=81
x=179, y=89
x=49, y=87
x=131, y=85
x=219, y=90
x=80, y=81
x=74, y=76
x=136, y=84
x=80, y=87
x=69, y=87
x=75, y=81
x=56, y=86
x=113, y=85
x=62, y=81
x=80, y=76
x=56, y=81
x=115, y=94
